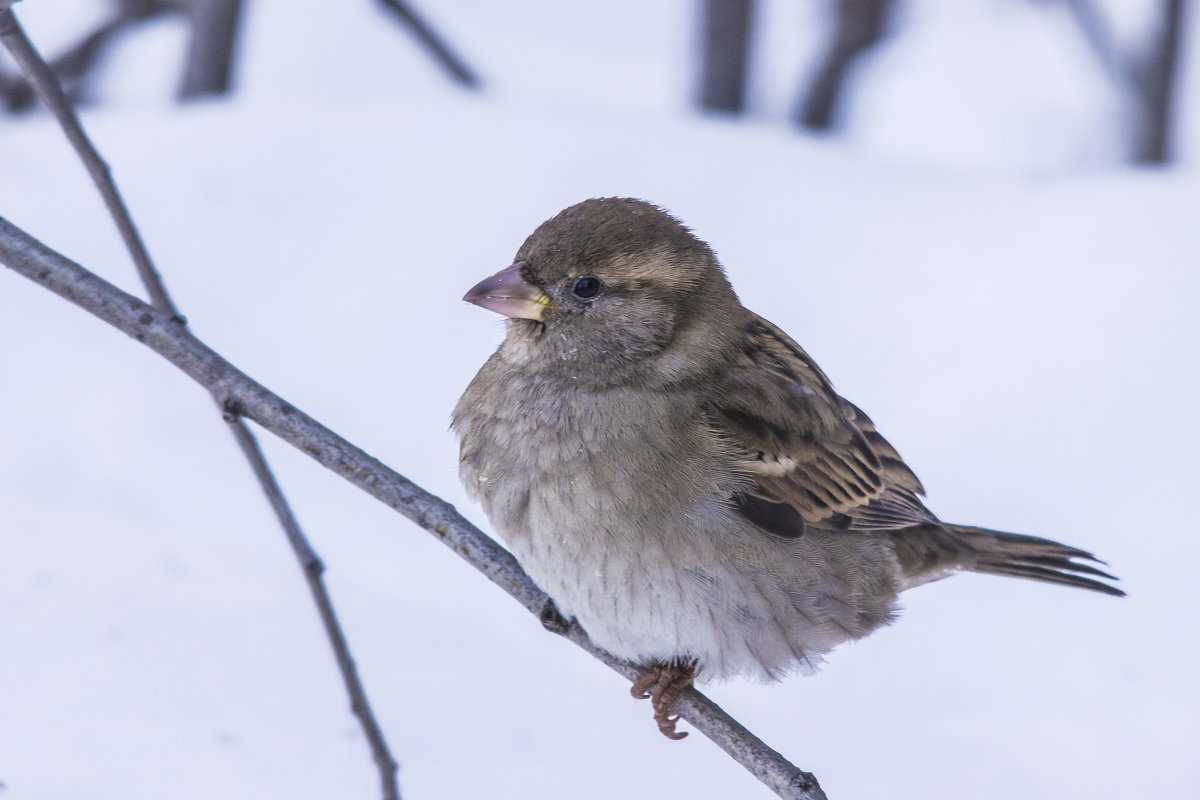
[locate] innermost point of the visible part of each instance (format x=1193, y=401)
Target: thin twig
x=73, y=65
x=48, y=89
x=313, y=569
x=243, y=396
x=46, y=86
x=428, y=37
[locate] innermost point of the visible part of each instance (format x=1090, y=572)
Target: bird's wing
x=811, y=456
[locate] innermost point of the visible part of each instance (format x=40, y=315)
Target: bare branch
x=240, y=396
x=243, y=396
x=313, y=569
x=429, y=39
x=46, y=86
x=72, y=66
x=51, y=94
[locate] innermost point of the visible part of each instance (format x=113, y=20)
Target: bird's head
x=613, y=289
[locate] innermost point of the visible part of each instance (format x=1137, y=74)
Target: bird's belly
x=698, y=583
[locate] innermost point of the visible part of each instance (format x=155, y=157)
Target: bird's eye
x=586, y=287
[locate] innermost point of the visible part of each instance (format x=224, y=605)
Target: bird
x=682, y=479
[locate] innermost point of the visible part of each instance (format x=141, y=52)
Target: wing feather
x=807, y=448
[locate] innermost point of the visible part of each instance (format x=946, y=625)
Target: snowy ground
x=1020, y=321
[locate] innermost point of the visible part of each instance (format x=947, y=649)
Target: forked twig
x=243, y=396
x=41, y=77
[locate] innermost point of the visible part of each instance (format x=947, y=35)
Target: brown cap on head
x=616, y=233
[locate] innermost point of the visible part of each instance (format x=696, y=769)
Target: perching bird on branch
x=678, y=474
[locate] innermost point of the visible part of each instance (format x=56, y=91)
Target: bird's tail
x=929, y=552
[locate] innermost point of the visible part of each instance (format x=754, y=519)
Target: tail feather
x=929, y=552
x=1032, y=557
x=1047, y=575
x=1056, y=563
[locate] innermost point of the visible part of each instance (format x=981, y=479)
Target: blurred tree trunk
x=1147, y=79
x=726, y=47
x=211, y=49
x=860, y=25
x=1154, y=83
x=209, y=62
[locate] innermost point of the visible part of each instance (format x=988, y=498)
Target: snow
x=1014, y=309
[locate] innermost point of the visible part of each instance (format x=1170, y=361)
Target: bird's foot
x=553, y=620
x=662, y=683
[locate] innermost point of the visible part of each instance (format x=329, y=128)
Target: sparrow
x=681, y=478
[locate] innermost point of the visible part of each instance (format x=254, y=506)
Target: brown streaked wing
x=895, y=471
x=801, y=446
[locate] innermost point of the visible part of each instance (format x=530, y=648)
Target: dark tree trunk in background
x=1147, y=79
x=209, y=62
x=860, y=25
x=1155, y=79
x=211, y=49
x=726, y=46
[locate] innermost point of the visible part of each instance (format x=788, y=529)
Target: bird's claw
x=662, y=684
x=641, y=687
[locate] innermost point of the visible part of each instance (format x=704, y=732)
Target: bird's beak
x=509, y=294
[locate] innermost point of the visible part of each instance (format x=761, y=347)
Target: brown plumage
x=681, y=477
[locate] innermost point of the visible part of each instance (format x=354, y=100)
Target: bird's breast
x=541, y=454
